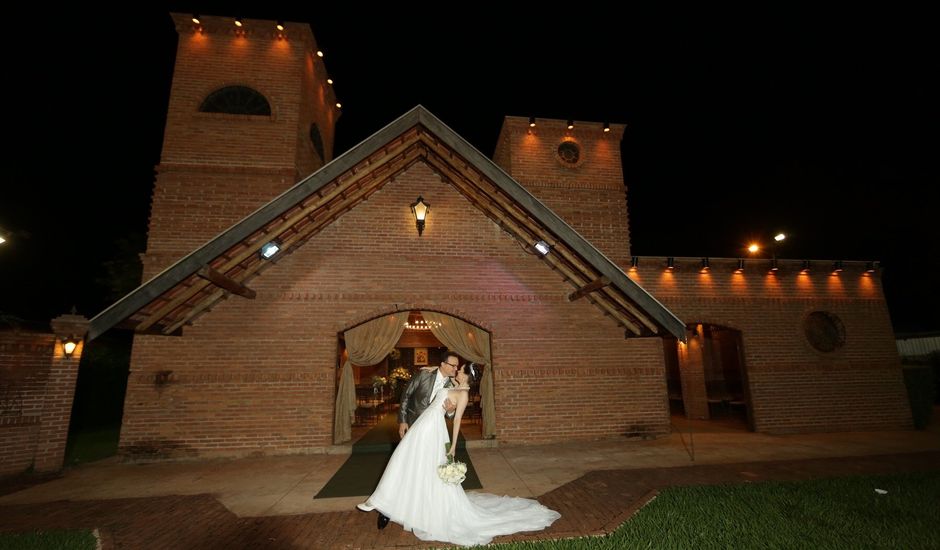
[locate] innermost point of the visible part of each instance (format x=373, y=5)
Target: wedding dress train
x=411, y=493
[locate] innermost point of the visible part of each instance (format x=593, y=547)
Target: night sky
x=741, y=124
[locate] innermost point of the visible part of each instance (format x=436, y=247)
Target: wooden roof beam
x=299, y=237
x=594, y=285
x=226, y=283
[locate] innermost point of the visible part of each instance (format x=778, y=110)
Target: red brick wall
x=258, y=376
x=795, y=388
x=591, y=196
x=25, y=359
x=216, y=168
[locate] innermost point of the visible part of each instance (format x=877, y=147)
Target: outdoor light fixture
x=753, y=248
x=570, y=124
x=705, y=266
x=773, y=266
x=531, y=122
x=196, y=19
x=68, y=346
x=319, y=53
x=870, y=267
x=238, y=22
x=542, y=248
x=4, y=235
x=670, y=263
x=634, y=263
x=280, y=25
x=269, y=250
x=606, y=127
x=329, y=81
x=837, y=267
x=779, y=237
x=420, y=210
x=740, y=268
x=804, y=267
x=339, y=105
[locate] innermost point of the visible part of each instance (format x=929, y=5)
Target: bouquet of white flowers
x=453, y=471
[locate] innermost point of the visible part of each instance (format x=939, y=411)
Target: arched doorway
x=706, y=378
x=426, y=339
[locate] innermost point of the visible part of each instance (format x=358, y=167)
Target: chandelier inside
x=416, y=322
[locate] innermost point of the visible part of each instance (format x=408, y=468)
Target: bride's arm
x=462, y=398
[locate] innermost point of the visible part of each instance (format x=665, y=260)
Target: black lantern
x=68, y=346
x=420, y=210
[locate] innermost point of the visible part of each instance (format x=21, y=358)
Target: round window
x=824, y=331
x=569, y=152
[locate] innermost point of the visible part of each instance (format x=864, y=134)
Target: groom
x=415, y=399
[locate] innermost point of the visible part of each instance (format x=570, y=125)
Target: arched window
x=236, y=100
x=317, y=141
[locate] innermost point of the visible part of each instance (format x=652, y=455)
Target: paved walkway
x=267, y=503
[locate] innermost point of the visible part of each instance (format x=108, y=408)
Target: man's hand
x=402, y=428
x=449, y=406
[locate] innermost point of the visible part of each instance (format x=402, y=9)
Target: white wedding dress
x=411, y=493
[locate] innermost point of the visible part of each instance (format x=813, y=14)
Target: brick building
x=236, y=353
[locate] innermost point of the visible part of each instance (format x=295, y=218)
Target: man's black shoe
x=382, y=521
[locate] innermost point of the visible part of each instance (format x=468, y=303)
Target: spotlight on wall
x=871, y=267
x=837, y=267
x=531, y=122
x=319, y=53
x=269, y=249
x=542, y=248
x=238, y=22
x=196, y=19
x=753, y=248
x=420, y=210
x=69, y=344
x=339, y=105
x=740, y=268
x=606, y=127
x=329, y=81
x=805, y=266
x=705, y=266
x=634, y=263
x=280, y=25
x=780, y=237
x=670, y=264
x=570, y=124
x=773, y=266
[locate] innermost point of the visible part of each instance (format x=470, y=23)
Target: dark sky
x=740, y=124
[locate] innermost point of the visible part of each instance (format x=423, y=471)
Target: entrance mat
x=361, y=472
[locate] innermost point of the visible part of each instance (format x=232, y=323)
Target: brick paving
x=594, y=504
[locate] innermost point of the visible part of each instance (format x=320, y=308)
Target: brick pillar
x=59, y=393
x=692, y=374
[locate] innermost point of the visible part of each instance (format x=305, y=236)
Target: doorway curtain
x=366, y=345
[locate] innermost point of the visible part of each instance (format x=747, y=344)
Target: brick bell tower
x=577, y=172
x=251, y=112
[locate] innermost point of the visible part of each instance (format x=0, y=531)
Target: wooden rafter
x=249, y=251
x=226, y=283
x=525, y=235
x=593, y=286
x=298, y=238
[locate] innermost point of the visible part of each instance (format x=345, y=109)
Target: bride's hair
x=472, y=371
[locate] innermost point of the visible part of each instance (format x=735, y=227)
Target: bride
x=411, y=493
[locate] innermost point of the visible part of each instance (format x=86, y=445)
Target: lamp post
x=754, y=248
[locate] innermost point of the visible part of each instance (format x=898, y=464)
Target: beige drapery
x=471, y=343
x=366, y=344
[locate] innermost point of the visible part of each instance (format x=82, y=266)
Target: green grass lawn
x=78, y=539
x=88, y=446
x=835, y=513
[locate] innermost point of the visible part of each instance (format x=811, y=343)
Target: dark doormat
x=361, y=472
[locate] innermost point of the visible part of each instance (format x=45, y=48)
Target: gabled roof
x=224, y=265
